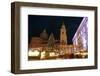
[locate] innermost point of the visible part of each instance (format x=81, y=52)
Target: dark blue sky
x=52, y=24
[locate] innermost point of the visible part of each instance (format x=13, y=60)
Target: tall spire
x=63, y=25
x=63, y=36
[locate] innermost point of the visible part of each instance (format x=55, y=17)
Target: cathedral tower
x=63, y=36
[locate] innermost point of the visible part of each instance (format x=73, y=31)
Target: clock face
x=62, y=32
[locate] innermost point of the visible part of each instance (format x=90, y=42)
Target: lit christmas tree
x=51, y=41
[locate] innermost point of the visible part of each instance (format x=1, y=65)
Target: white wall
x=5, y=33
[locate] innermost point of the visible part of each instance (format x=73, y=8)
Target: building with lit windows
x=80, y=38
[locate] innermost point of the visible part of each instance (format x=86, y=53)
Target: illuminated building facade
x=63, y=36
x=80, y=38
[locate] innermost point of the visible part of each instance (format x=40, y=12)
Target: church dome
x=44, y=35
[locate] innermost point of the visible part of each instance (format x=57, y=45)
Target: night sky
x=52, y=24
